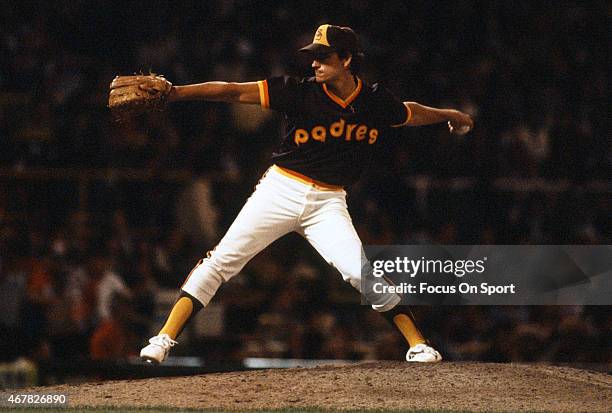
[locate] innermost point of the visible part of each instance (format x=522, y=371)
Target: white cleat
x=422, y=353
x=158, y=349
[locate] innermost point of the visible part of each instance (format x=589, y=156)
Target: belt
x=306, y=180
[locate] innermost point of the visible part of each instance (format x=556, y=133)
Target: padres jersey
x=326, y=138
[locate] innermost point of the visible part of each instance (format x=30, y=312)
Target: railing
x=84, y=177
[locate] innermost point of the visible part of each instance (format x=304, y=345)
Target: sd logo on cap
x=329, y=38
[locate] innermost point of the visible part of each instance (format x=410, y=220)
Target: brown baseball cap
x=329, y=38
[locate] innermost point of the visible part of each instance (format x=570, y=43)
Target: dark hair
x=356, y=62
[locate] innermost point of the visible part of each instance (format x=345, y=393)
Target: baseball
x=459, y=131
x=463, y=130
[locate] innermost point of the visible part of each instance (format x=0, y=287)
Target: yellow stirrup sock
x=180, y=314
x=405, y=324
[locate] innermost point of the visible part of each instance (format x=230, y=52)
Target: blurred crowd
x=80, y=279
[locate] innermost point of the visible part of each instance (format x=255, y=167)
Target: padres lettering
x=338, y=130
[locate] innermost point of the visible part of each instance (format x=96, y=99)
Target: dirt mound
x=384, y=385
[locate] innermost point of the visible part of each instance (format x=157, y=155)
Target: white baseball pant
x=285, y=201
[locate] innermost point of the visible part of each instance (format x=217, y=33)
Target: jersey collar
x=339, y=100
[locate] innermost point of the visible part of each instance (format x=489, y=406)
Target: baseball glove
x=132, y=95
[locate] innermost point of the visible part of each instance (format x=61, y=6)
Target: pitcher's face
x=328, y=67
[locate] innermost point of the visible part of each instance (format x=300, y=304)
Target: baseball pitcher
x=334, y=120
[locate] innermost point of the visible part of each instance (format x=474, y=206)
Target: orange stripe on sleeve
x=408, y=117
x=264, y=98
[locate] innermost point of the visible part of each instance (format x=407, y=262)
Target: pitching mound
x=381, y=385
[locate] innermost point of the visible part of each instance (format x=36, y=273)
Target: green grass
x=167, y=410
